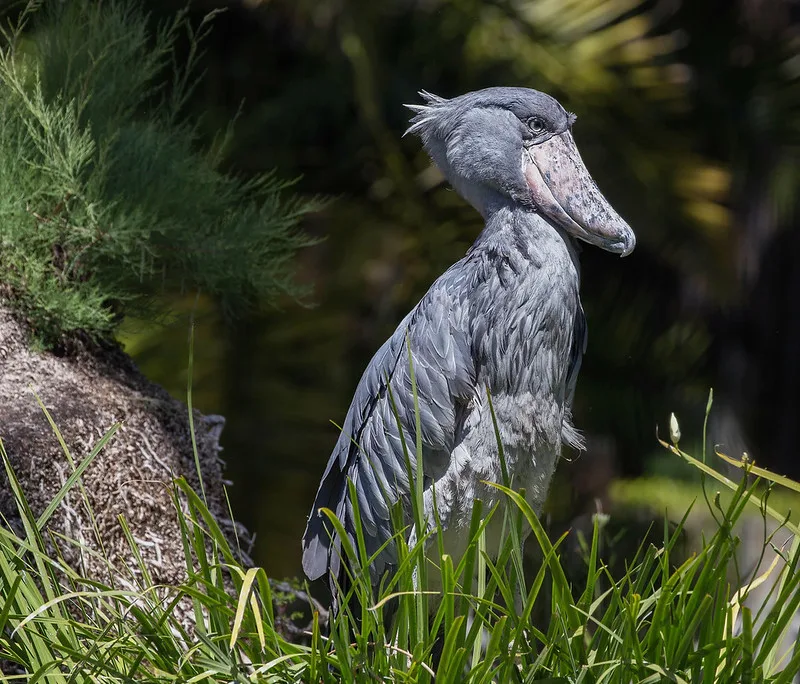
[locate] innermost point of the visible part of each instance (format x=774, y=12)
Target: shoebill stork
x=506, y=317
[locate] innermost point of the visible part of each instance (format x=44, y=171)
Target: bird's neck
x=510, y=225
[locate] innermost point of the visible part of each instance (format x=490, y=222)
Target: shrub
x=108, y=196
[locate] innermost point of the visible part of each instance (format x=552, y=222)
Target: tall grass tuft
x=660, y=620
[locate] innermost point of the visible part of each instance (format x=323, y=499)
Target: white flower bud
x=674, y=429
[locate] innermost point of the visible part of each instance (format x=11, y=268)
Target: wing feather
x=369, y=449
x=580, y=337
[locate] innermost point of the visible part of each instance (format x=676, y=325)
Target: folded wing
x=369, y=451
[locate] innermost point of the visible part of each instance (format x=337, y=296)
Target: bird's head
x=498, y=144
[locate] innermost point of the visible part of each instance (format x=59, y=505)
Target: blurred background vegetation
x=688, y=118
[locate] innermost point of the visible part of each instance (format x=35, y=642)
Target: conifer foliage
x=108, y=198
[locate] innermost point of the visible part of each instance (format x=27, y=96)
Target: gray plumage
x=506, y=317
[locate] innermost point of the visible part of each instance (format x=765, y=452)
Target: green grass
x=659, y=620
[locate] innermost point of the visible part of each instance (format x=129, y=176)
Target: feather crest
x=424, y=114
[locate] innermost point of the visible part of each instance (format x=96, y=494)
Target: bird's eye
x=536, y=124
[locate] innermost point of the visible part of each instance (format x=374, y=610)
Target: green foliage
x=657, y=621
x=107, y=197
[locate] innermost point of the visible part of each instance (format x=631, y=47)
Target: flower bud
x=674, y=429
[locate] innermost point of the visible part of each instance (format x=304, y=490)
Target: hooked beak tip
x=628, y=244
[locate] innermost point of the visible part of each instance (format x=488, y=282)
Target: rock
x=87, y=389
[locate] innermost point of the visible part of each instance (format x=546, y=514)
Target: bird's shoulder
x=432, y=347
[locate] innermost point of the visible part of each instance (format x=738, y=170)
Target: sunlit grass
x=660, y=619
